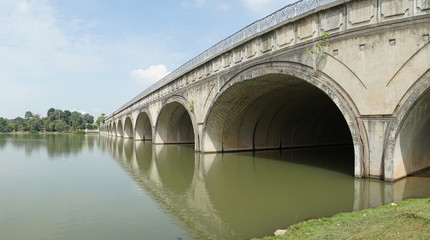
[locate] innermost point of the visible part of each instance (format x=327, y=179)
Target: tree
x=57, y=114
x=60, y=126
x=28, y=115
x=50, y=111
x=65, y=116
x=88, y=118
x=318, y=50
x=101, y=119
x=3, y=125
x=35, y=123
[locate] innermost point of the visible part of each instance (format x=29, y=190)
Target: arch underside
x=274, y=111
x=119, y=129
x=143, y=127
x=128, y=128
x=174, y=125
x=412, y=147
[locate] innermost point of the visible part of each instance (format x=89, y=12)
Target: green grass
x=410, y=219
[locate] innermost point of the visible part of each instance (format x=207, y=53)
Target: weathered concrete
x=260, y=90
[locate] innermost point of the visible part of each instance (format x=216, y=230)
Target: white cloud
x=224, y=7
x=200, y=3
x=196, y=3
x=150, y=75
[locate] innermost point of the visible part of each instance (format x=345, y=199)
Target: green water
x=97, y=187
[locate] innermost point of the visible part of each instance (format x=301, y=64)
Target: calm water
x=96, y=187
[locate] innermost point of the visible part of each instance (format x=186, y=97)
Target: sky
x=93, y=56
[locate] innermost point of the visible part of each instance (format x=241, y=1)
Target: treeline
x=56, y=121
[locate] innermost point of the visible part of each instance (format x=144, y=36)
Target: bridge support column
x=376, y=127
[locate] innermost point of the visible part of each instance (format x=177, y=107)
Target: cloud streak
x=149, y=75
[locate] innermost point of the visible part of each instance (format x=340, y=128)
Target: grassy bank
x=409, y=219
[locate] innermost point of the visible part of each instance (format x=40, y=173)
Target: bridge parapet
x=296, y=24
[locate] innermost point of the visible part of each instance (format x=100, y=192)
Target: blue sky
x=93, y=56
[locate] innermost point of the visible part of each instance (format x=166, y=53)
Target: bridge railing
x=288, y=12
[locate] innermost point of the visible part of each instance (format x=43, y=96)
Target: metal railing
x=243, y=35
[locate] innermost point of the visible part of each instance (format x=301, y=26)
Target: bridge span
x=261, y=89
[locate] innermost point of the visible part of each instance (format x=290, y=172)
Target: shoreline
x=407, y=219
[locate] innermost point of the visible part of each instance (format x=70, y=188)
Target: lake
x=63, y=186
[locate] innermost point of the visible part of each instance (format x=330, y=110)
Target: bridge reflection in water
x=244, y=195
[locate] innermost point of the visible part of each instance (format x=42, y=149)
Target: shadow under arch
x=119, y=129
x=283, y=105
x=176, y=123
x=128, y=128
x=143, y=126
x=407, y=142
x=113, y=130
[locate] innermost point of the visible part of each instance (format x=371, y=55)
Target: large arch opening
x=128, y=128
x=174, y=125
x=274, y=110
x=119, y=129
x=143, y=127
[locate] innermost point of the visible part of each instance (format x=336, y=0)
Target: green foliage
x=34, y=132
x=28, y=115
x=60, y=125
x=318, y=49
x=3, y=125
x=56, y=120
x=101, y=119
x=320, y=45
x=79, y=132
x=192, y=105
x=408, y=219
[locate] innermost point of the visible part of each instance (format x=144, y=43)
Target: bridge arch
x=109, y=129
x=176, y=123
x=291, y=107
x=114, y=127
x=128, y=127
x=143, y=126
x=407, y=142
x=119, y=129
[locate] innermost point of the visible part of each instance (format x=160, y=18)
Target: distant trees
x=28, y=115
x=101, y=119
x=56, y=120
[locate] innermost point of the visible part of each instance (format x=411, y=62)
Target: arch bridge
x=262, y=89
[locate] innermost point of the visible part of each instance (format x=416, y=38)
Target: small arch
x=176, y=123
x=128, y=128
x=119, y=129
x=407, y=145
x=114, y=129
x=143, y=126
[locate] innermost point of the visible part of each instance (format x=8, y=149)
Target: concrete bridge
x=259, y=89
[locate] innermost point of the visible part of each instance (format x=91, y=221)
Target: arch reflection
x=244, y=195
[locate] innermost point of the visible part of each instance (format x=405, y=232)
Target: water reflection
x=56, y=145
x=244, y=195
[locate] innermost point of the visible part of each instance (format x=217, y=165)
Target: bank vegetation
x=409, y=219
x=56, y=120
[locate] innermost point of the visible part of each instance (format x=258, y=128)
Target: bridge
x=261, y=88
